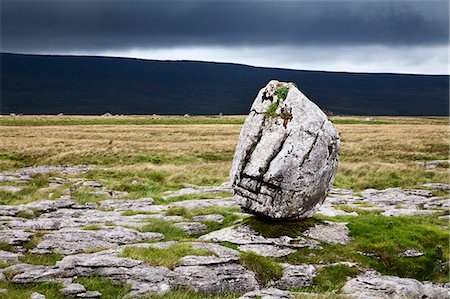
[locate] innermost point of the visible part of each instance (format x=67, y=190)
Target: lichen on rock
x=287, y=154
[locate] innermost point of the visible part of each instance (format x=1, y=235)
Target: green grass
x=360, y=211
x=29, y=215
x=166, y=228
x=331, y=279
x=134, y=212
x=41, y=259
x=14, y=291
x=264, y=268
x=27, y=194
x=272, y=109
x=7, y=247
x=92, y=227
x=108, y=288
x=273, y=228
x=386, y=238
x=282, y=93
x=34, y=240
x=166, y=257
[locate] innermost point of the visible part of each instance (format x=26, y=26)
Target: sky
x=396, y=36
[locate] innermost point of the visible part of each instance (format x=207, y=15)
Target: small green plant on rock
x=282, y=93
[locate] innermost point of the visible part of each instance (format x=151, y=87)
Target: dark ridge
x=46, y=84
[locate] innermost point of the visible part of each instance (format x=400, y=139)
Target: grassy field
x=162, y=153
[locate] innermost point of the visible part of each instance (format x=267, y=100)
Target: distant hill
x=41, y=84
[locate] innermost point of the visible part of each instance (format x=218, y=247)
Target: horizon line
x=223, y=62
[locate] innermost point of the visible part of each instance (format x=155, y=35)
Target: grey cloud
x=33, y=26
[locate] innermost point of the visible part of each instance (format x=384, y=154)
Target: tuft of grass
x=107, y=287
x=95, y=249
x=272, y=109
x=264, y=268
x=48, y=259
x=166, y=257
x=134, y=212
x=34, y=240
x=49, y=289
x=7, y=247
x=26, y=215
x=166, y=228
x=282, y=93
x=273, y=228
x=331, y=279
x=92, y=227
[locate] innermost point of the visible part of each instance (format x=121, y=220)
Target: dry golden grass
x=196, y=152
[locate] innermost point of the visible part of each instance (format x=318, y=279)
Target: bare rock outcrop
x=287, y=155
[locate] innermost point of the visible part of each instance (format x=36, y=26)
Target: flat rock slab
x=267, y=249
x=73, y=240
x=14, y=237
x=374, y=285
x=287, y=154
x=7, y=257
x=123, y=204
x=217, y=279
x=295, y=277
x=249, y=240
x=192, y=228
x=331, y=232
x=217, y=218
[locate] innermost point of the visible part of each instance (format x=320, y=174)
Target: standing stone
x=287, y=155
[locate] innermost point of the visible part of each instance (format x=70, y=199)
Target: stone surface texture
x=373, y=285
x=285, y=161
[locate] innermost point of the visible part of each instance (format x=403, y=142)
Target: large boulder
x=287, y=155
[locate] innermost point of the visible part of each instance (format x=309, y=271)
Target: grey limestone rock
x=216, y=279
x=287, y=155
x=14, y=237
x=90, y=294
x=36, y=295
x=192, y=228
x=373, y=285
x=72, y=289
x=295, y=277
x=9, y=257
x=330, y=232
x=217, y=218
x=249, y=240
x=270, y=293
x=75, y=240
x=123, y=204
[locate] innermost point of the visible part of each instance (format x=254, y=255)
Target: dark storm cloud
x=30, y=26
